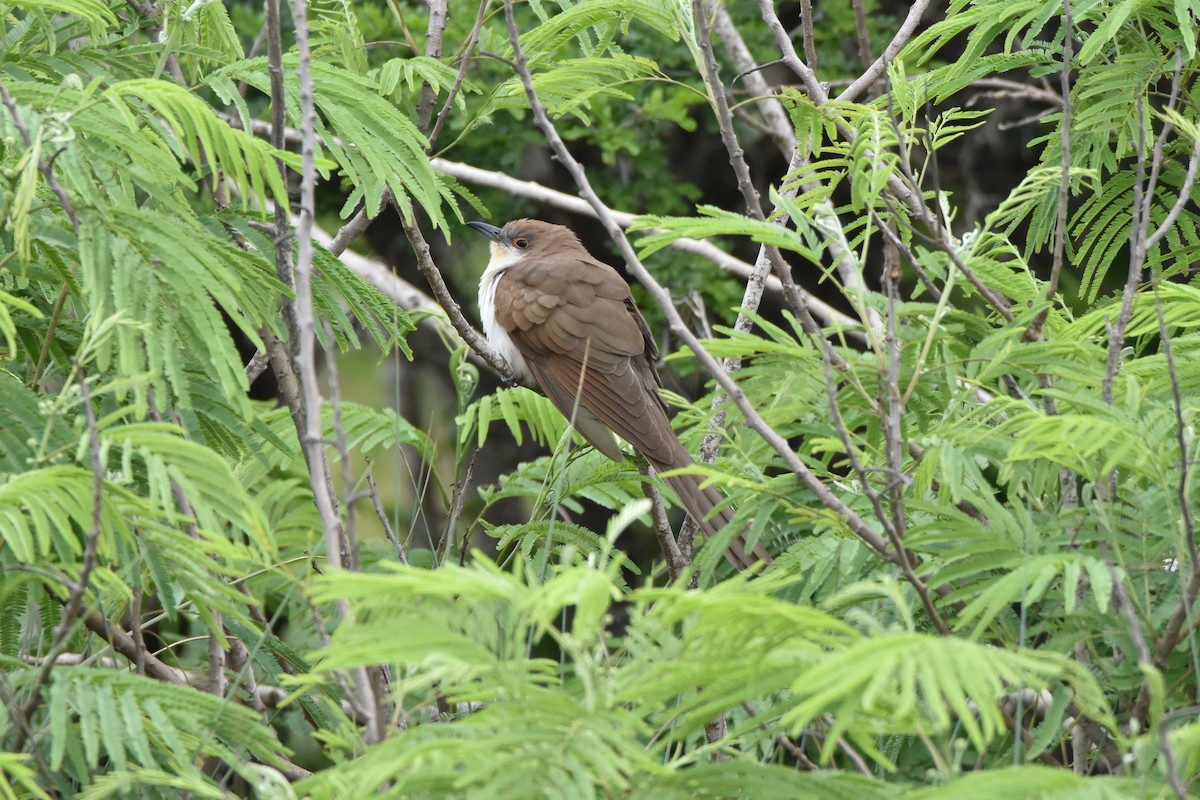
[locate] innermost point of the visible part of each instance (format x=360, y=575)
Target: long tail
x=699, y=503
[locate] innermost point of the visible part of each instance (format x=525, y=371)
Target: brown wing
x=563, y=314
x=568, y=316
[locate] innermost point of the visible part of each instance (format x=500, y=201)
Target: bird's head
x=522, y=238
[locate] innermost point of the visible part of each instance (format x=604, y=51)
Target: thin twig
x=1064, y=180
x=677, y=560
x=1181, y=200
x=776, y=123
x=1116, y=330
x=1178, y=622
x=783, y=40
x=73, y=607
x=383, y=518
x=794, y=750
x=43, y=166
x=1141, y=709
x=458, y=500
x=853, y=755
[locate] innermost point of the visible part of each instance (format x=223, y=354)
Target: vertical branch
x=1140, y=240
x=305, y=346
x=350, y=541
x=1177, y=623
x=806, y=23
x=673, y=551
x=1142, y=708
x=458, y=499
x=433, y=48
x=862, y=36
x=276, y=350
x=464, y=63
x=1064, y=180
x=311, y=440
x=893, y=407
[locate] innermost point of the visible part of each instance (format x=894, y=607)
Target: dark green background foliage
x=977, y=480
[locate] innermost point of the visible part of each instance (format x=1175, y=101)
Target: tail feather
x=700, y=504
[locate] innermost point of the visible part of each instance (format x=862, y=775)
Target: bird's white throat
x=497, y=337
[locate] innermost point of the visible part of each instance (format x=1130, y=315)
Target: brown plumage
x=556, y=314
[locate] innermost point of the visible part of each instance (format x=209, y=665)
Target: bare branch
x=433, y=275
x=810, y=44
x=783, y=40
x=349, y=529
x=311, y=440
x=677, y=559
x=862, y=36
x=877, y=68
x=1181, y=200
x=383, y=518
x=464, y=57
x=457, y=501
x=433, y=48
x=776, y=123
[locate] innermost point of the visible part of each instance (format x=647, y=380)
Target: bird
x=568, y=326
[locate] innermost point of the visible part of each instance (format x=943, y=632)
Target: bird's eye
x=521, y=242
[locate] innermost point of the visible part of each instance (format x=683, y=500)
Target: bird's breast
x=497, y=337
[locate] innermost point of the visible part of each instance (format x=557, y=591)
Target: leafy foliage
x=984, y=567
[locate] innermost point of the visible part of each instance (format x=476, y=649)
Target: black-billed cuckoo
x=568, y=325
